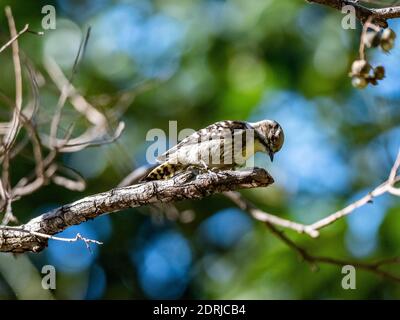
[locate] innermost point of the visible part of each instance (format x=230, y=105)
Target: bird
x=224, y=145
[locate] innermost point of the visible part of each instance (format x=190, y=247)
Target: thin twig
x=262, y=216
x=95, y=135
x=78, y=236
x=367, y=25
x=313, y=260
x=386, y=187
x=65, y=88
x=9, y=42
x=313, y=229
x=11, y=135
x=272, y=222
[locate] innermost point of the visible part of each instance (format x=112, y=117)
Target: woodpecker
x=221, y=146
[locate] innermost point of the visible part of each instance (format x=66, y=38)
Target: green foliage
x=236, y=59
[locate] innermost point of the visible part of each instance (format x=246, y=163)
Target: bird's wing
x=213, y=131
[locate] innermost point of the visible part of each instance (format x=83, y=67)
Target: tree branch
x=14, y=37
x=389, y=186
x=374, y=267
x=187, y=185
x=380, y=15
x=272, y=222
x=262, y=216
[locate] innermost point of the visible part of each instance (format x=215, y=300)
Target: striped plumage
x=222, y=145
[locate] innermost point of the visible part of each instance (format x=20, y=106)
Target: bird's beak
x=271, y=155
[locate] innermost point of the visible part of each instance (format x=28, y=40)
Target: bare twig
x=386, y=187
x=8, y=216
x=313, y=229
x=374, y=267
x=64, y=88
x=92, y=136
x=15, y=122
x=10, y=137
x=78, y=236
x=260, y=215
x=77, y=184
x=45, y=168
x=367, y=25
x=272, y=222
x=24, y=187
x=13, y=38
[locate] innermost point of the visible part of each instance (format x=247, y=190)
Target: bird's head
x=273, y=136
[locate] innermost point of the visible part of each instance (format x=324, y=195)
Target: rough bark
x=363, y=13
x=184, y=186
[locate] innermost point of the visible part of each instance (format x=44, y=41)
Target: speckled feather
x=216, y=146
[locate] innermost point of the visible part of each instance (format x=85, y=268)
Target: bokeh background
x=197, y=62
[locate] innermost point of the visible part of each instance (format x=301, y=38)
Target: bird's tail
x=164, y=171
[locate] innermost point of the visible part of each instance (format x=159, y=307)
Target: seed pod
x=379, y=72
x=360, y=68
x=372, y=39
x=372, y=80
x=359, y=82
x=387, y=45
x=388, y=34
x=387, y=39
